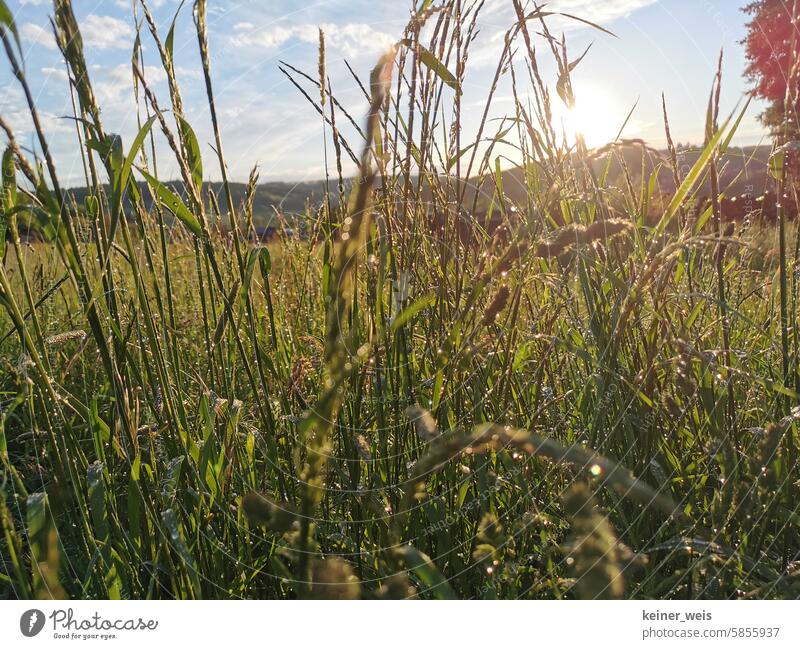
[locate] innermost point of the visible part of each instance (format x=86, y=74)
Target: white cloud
x=35, y=34
x=350, y=38
x=11, y=97
x=55, y=73
x=105, y=32
x=187, y=72
x=102, y=32
x=15, y=112
x=115, y=86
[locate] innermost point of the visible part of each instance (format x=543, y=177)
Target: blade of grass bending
x=689, y=182
x=194, y=158
x=408, y=313
x=8, y=196
x=7, y=19
x=490, y=437
x=537, y=14
x=735, y=126
x=177, y=540
x=169, y=43
x=174, y=204
x=97, y=503
x=435, y=65
x=421, y=564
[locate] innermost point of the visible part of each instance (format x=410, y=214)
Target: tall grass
x=595, y=399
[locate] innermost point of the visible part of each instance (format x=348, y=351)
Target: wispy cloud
x=500, y=13
x=599, y=11
x=351, y=39
x=592, y=10
x=126, y=4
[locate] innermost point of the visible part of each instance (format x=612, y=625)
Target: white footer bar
x=404, y=625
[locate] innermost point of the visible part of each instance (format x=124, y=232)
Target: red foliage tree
x=772, y=46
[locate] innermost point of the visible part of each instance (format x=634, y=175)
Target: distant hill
x=287, y=198
x=744, y=170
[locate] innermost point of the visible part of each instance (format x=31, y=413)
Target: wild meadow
x=436, y=391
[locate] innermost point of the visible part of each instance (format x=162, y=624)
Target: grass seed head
x=397, y=587
x=423, y=422
x=334, y=579
x=592, y=554
x=496, y=306
x=362, y=446
x=59, y=339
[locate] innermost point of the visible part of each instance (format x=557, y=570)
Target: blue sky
x=668, y=46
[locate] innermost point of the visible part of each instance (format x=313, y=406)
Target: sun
x=596, y=116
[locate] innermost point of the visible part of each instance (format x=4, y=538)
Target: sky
x=668, y=46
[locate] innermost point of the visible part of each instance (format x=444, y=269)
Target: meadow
x=438, y=392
